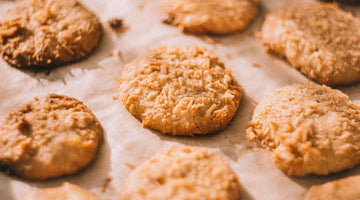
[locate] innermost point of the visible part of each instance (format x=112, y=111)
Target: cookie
x=48, y=33
x=310, y=129
x=49, y=137
x=180, y=91
x=211, y=16
x=182, y=173
x=342, y=189
x=66, y=191
x=319, y=39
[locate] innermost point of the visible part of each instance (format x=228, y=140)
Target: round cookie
x=66, y=191
x=48, y=33
x=342, y=189
x=180, y=91
x=211, y=16
x=319, y=39
x=310, y=129
x=49, y=137
x=182, y=173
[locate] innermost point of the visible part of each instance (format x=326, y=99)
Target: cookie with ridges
x=180, y=91
x=318, y=39
x=49, y=137
x=66, y=191
x=182, y=173
x=211, y=16
x=310, y=129
x=48, y=33
x=342, y=189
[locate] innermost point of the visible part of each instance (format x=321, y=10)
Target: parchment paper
x=94, y=81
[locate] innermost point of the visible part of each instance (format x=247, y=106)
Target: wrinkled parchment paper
x=94, y=81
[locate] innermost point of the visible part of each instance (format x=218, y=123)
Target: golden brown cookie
x=210, y=16
x=342, y=189
x=182, y=173
x=49, y=137
x=180, y=91
x=66, y=191
x=48, y=33
x=310, y=129
x=319, y=39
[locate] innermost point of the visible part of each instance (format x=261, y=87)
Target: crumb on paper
x=119, y=53
x=239, y=36
x=250, y=33
x=208, y=39
x=167, y=18
x=115, y=98
x=116, y=23
x=130, y=165
x=111, y=53
x=141, y=6
x=256, y=65
x=227, y=55
x=106, y=184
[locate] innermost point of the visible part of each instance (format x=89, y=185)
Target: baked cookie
x=343, y=189
x=344, y=1
x=319, y=39
x=211, y=16
x=49, y=137
x=66, y=191
x=310, y=129
x=48, y=33
x=182, y=173
x=180, y=91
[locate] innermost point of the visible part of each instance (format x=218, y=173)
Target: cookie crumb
x=208, y=39
x=257, y=65
x=130, y=165
x=250, y=32
x=119, y=53
x=239, y=36
x=227, y=55
x=111, y=53
x=167, y=18
x=106, y=184
x=115, y=98
x=116, y=23
x=141, y=6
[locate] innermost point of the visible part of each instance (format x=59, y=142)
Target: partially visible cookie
x=66, y=191
x=319, y=39
x=48, y=33
x=310, y=129
x=49, y=137
x=210, y=16
x=180, y=91
x=182, y=173
x=342, y=189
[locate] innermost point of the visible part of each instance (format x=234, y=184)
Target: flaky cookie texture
x=66, y=191
x=49, y=137
x=182, y=173
x=180, y=91
x=310, y=129
x=48, y=33
x=342, y=189
x=319, y=39
x=211, y=16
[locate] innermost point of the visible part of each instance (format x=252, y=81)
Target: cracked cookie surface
x=48, y=33
x=180, y=91
x=310, y=129
x=49, y=137
x=318, y=39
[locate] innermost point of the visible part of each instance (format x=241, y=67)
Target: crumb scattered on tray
x=130, y=165
x=106, y=184
x=115, y=98
x=227, y=55
x=255, y=64
x=116, y=23
x=208, y=39
x=167, y=19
